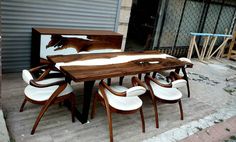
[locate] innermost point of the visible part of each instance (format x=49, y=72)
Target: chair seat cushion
x=169, y=94
x=43, y=94
x=122, y=103
x=179, y=83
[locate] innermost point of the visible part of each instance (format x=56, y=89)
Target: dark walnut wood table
x=90, y=73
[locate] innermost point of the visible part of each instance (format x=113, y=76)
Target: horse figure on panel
x=59, y=43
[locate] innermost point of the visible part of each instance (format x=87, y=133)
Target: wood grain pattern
x=87, y=73
x=75, y=31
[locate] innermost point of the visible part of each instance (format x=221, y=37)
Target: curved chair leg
x=41, y=113
x=142, y=119
x=181, y=110
x=156, y=112
x=93, y=112
x=23, y=104
x=109, y=123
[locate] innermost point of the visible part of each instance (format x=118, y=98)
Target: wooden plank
x=211, y=47
x=75, y=31
x=190, y=50
x=205, y=44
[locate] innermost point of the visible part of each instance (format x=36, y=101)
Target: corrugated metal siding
x=19, y=16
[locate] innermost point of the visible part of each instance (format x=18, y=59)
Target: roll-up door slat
x=18, y=17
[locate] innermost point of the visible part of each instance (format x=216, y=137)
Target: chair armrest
x=137, y=82
x=38, y=68
x=122, y=94
x=45, y=73
x=35, y=84
x=148, y=79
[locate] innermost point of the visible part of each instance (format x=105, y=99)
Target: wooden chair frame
x=109, y=109
x=155, y=99
x=175, y=76
x=54, y=97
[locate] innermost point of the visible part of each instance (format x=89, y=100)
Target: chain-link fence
x=184, y=16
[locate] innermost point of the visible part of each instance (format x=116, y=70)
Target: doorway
x=144, y=15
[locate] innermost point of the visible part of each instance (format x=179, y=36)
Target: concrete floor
x=212, y=99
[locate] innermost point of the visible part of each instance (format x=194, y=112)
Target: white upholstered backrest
x=135, y=91
x=26, y=75
x=179, y=83
x=185, y=59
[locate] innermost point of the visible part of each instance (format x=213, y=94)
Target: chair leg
x=93, y=112
x=41, y=113
x=23, y=104
x=109, y=123
x=156, y=112
x=181, y=110
x=142, y=119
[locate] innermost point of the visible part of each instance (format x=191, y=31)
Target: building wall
x=124, y=16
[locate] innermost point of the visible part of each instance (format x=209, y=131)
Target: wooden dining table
x=89, y=73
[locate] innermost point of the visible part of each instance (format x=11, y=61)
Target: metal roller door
x=19, y=16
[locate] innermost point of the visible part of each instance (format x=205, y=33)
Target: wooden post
x=211, y=47
x=231, y=46
x=190, y=50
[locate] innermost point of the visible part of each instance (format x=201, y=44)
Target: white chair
x=120, y=99
x=46, y=92
x=164, y=93
x=179, y=81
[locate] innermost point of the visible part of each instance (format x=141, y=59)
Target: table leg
x=78, y=115
x=88, y=89
x=109, y=81
x=186, y=78
x=121, y=80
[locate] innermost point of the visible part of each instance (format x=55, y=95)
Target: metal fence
x=180, y=17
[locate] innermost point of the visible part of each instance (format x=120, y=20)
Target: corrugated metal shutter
x=19, y=16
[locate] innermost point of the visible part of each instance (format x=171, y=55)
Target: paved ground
x=4, y=136
x=212, y=102
x=223, y=131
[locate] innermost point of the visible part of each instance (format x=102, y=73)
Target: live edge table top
x=97, y=72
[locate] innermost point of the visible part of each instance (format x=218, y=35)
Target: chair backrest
x=26, y=75
x=135, y=91
x=179, y=83
x=185, y=59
